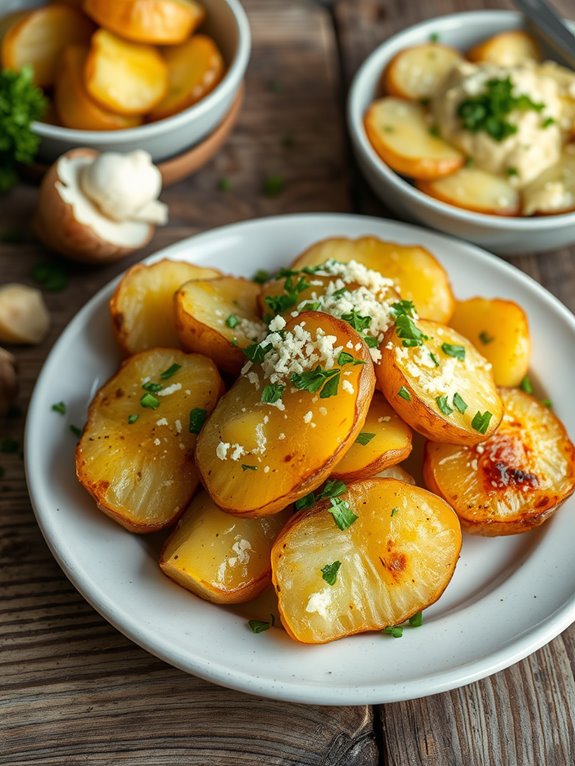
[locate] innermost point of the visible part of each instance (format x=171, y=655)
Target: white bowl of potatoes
x=119, y=77
x=466, y=123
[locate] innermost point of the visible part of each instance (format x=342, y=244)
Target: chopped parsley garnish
x=396, y=631
x=416, y=620
x=331, y=387
x=234, y=342
x=345, y=358
x=458, y=352
x=170, y=372
x=333, y=488
x=224, y=184
x=434, y=358
x=329, y=572
x=434, y=37
x=356, y=320
x=277, y=304
x=489, y=110
x=8, y=445
x=410, y=333
x=51, y=276
x=246, y=467
x=481, y=420
x=443, y=405
x=547, y=403
x=403, y=307
x=512, y=172
x=59, y=407
x=232, y=321
x=273, y=185
x=197, y=419
x=548, y=121
x=256, y=352
x=307, y=501
x=394, y=511
x=434, y=131
x=342, y=513
x=261, y=276
x=370, y=341
x=364, y=438
x=272, y=393
x=150, y=401
x=132, y=419
x=151, y=386
x=486, y=338
x=76, y=431
x=404, y=393
x=316, y=379
x=260, y=626
x=526, y=385
x=311, y=306
x=459, y=403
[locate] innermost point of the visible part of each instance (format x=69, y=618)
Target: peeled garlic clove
x=8, y=381
x=23, y=316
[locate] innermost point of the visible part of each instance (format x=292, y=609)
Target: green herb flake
x=256, y=352
x=273, y=185
x=404, y=393
x=459, y=403
x=486, y=338
x=272, y=393
x=526, y=385
x=548, y=121
x=316, y=379
x=356, y=320
x=389, y=129
x=329, y=572
x=345, y=358
x=455, y=351
x=260, y=626
x=59, y=407
x=511, y=172
x=224, y=184
x=234, y=342
x=547, y=403
x=311, y=306
x=342, y=513
x=332, y=488
x=261, y=276
x=434, y=37
x=396, y=631
x=232, y=321
x=51, y=276
x=246, y=467
x=307, y=501
x=8, y=445
x=434, y=131
x=434, y=358
x=151, y=386
x=170, y=372
x=132, y=419
x=403, y=307
x=331, y=387
x=393, y=512
x=481, y=421
x=416, y=620
x=370, y=341
x=197, y=419
x=149, y=401
x=364, y=438
x=443, y=405
x=408, y=331
x=76, y=431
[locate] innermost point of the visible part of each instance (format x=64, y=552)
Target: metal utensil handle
x=551, y=27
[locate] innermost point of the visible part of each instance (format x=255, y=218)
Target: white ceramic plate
x=508, y=597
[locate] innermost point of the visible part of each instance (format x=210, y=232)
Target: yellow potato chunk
x=553, y=191
x=142, y=306
x=474, y=189
x=401, y=134
x=513, y=481
x=438, y=382
x=511, y=48
x=384, y=441
x=417, y=72
x=219, y=318
x=37, y=39
x=194, y=69
x=220, y=558
x=392, y=555
x=418, y=276
x=500, y=330
x=159, y=22
x=125, y=77
x=136, y=454
x=283, y=425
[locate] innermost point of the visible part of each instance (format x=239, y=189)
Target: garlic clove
x=24, y=317
x=8, y=381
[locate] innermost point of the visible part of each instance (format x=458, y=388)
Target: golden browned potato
x=136, y=454
x=418, y=276
x=473, y=189
x=500, y=331
x=402, y=136
x=384, y=441
x=511, y=48
x=417, y=72
x=142, y=306
x=219, y=318
x=281, y=428
x=220, y=558
x=438, y=382
x=384, y=551
x=513, y=481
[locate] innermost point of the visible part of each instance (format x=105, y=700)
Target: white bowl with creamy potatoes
x=535, y=209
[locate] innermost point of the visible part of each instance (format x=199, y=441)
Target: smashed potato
x=417, y=72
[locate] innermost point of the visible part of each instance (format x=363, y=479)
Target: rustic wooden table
x=75, y=691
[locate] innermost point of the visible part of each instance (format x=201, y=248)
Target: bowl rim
x=355, y=113
x=230, y=82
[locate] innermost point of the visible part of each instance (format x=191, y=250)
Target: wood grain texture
x=72, y=689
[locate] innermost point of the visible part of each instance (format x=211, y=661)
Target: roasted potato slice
x=220, y=558
x=513, y=481
x=473, y=189
x=511, y=48
x=219, y=318
x=553, y=191
x=37, y=38
x=401, y=134
x=136, y=454
x=159, y=22
x=438, y=382
x=281, y=428
x=74, y=106
x=125, y=77
x=499, y=329
x=384, y=441
x=417, y=72
x=194, y=69
x=418, y=276
x=142, y=306
x=392, y=554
